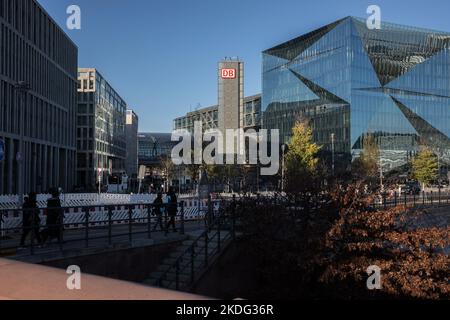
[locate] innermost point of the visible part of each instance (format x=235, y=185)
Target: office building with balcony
x=101, y=137
x=38, y=87
x=351, y=81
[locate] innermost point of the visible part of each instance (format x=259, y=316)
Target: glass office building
x=351, y=81
x=101, y=136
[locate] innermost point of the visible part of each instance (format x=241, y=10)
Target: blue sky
x=161, y=55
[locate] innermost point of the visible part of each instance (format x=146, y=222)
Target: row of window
x=109, y=122
x=44, y=167
x=252, y=120
x=86, y=161
x=31, y=21
x=20, y=61
x=42, y=120
x=92, y=80
x=147, y=149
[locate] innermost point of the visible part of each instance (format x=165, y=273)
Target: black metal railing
x=422, y=199
x=220, y=229
x=88, y=228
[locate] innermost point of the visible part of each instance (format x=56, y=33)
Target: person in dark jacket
x=31, y=221
x=158, y=211
x=172, y=208
x=55, y=218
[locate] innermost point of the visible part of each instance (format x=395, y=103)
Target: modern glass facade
x=101, y=139
x=350, y=81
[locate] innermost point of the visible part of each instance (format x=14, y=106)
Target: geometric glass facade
x=350, y=81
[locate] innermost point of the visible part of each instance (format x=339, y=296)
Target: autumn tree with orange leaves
x=412, y=259
x=324, y=252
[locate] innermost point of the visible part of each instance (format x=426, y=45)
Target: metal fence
x=74, y=215
x=395, y=199
x=189, y=266
x=95, y=222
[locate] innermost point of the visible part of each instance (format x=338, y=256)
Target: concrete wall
x=231, y=276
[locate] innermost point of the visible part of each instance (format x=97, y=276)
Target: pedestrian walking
x=55, y=218
x=31, y=221
x=158, y=211
x=172, y=208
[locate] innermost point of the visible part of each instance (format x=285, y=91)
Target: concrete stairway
x=192, y=264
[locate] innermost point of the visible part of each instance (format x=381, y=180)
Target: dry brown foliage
x=413, y=261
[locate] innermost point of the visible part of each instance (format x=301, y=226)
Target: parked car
x=440, y=184
x=411, y=188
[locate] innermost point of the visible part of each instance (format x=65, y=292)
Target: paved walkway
x=36, y=282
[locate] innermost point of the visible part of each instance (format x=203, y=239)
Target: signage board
x=228, y=73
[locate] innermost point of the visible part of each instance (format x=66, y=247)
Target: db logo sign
x=228, y=73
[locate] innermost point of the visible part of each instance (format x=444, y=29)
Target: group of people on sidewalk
x=54, y=227
x=159, y=209
x=31, y=221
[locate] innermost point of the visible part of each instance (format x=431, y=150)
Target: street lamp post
x=139, y=186
x=179, y=179
x=100, y=181
x=22, y=88
x=381, y=174
x=283, y=152
x=332, y=153
x=257, y=178
x=439, y=164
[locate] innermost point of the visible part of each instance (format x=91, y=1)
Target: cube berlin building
x=351, y=81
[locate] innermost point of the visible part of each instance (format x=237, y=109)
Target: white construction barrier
x=75, y=217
